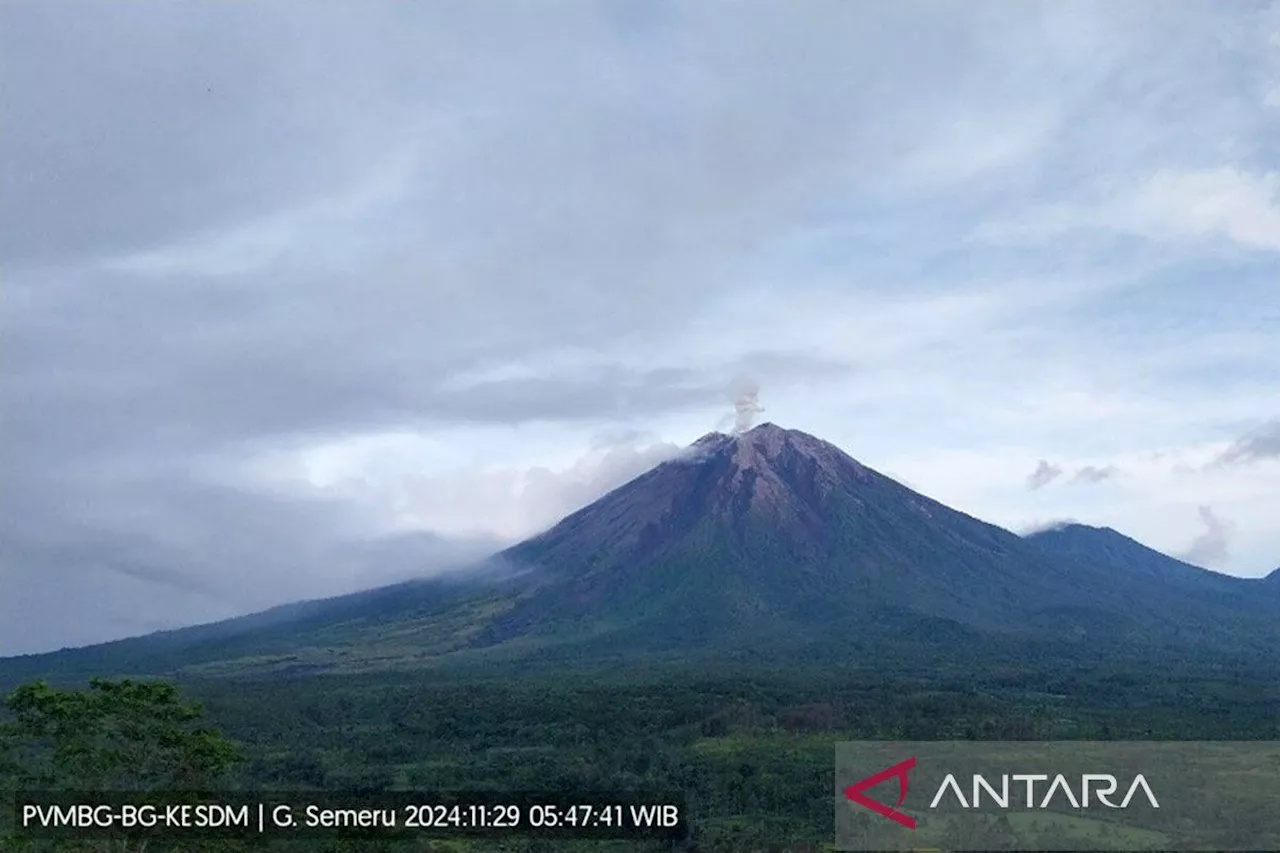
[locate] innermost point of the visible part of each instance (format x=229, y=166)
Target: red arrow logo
x=855, y=792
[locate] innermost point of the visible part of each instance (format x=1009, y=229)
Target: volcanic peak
x=767, y=443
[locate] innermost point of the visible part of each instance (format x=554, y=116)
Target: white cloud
x=1225, y=202
x=1158, y=499
x=1213, y=546
x=462, y=484
x=1171, y=207
x=965, y=147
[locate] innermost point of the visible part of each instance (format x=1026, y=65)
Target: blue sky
x=300, y=298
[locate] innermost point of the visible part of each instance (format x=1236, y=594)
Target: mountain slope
x=774, y=531
x=387, y=627
x=771, y=544
x=1190, y=606
x=1122, y=557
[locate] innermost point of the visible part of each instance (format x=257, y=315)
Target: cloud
x=317, y=228
x=1269, y=25
x=1226, y=204
x=477, y=497
x=1046, y=473
x=1043, y=475
x=165, y=552
x=1035, y=527
x=964, y=147
x=1261, y=444
x=1095, y=474
x=463, y=302
x=1160, y=486
x=1211, y=547
x=624, y=391
x=167, y=122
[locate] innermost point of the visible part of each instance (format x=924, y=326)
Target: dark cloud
x=621, y=392
x=1212, y=547
x=114, y=403
x=167, y=552
x=172, y=368
x=1262, y=443
x=117, y=405
x=1043, y=475
x=135, y=129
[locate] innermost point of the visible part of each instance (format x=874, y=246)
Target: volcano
x=769, y=544
x=774, y=535
x=774, y=539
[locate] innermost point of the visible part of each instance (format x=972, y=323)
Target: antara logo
x=901, y=770
x=1093, y=787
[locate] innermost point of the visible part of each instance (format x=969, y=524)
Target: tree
x=116, y=735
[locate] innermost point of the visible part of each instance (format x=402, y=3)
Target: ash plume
x=745, y=396
x=746, y=405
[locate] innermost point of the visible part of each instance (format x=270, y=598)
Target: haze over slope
x=770, y=544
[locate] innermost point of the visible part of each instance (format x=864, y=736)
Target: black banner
x=326, y=814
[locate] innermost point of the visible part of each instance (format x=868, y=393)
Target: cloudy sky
x=300, y=298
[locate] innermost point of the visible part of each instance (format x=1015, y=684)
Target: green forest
x=751, y=754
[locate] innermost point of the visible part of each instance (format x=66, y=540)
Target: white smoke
x=744, y=394
x=746, y=405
